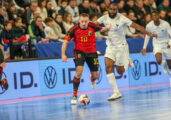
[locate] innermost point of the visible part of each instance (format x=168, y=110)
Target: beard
x=112, y=15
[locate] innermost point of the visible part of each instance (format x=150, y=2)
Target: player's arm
x=106, y=28
x=140, y=28
x=143, y=51
x=63, y=49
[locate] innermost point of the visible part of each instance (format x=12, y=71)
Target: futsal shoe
x=115, y=96
x=164, y=66
x=130, y=64
x=4, y=83
x=74, y=100
x=93, y=82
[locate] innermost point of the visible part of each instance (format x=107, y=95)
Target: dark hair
x=131, y=11
x=66, y=15
x=11, y=4
x=155, y=11
x=48, y=19
x=84, y=15
x=64, y=1
x=40, y=3
x=6, y=23
x=38, y=18
x=92, y=15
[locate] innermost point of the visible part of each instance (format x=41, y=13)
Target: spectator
x=120, y=5
x=129, y=6
x=164, y=6
x=147, y=7
x=131, y=32
x=153, y=5
x=63, y=7
x=103, y=7
x=58, y=20
x=73, y=9
x=6, y=37
x=19, y=38
x=93, y=8
x=140, y=12
x=105, y=12
x=50, y=34
x=68, y=21
x=28, y=14
x=162, y=14
x=50, y=11
x=42, y=9
x=107, y=3
x=2, y=13
x=84, y=7
x=123, y=12
x=36, y=30
x=12, y=11
x=147, y=19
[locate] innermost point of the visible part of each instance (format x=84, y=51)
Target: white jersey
x=116, y=35
x=163, y=32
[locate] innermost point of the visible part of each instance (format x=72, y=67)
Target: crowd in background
x=42, y=21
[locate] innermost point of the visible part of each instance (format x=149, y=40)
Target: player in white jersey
x=117, y=50
x=161, y=44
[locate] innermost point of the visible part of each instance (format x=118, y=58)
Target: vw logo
x=100, y=75
x=2, y=90
x=50, y=77
x=136, y=71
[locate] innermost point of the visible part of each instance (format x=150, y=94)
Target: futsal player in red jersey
x=83, y=35
x=3, y=82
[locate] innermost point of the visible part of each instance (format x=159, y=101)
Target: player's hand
x=3, y=64
x=64, y=58
x=153, y=35
x=109, y=27
x=168, y=46
x=143, y=52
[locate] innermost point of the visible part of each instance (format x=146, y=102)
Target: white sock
x=163, y=62
x=112, y=82
x=170, y=76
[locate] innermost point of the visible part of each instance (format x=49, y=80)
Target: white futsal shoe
x=74, y=100
x=93, y=82
x=115, y=96
x=164, y=66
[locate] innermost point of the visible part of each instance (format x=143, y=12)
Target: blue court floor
x=150, y=103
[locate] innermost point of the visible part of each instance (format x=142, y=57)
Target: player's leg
x=109, y=64
x=128, y=61
x=3, y=82
x=169, y=65
x=161, y=62
x=79, y=62
x=93, y=64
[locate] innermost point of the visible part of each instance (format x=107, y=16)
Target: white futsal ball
x=84, y=99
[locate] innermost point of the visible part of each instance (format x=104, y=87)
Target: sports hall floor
x=150, y=102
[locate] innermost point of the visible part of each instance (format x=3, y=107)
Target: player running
x=161, y=44
x=117, y=48
x=3, y=82
x=83, y=34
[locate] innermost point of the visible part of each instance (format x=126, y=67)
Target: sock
x=112, y=82
x=162, y=63
x=76, y=83
x=170, y=76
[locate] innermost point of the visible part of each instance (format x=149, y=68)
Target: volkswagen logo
x=136, y=71
x=2, y=90
x=100, y=75
x=50, y=77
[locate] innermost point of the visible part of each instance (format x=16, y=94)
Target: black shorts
x=90, y=58
x=1, y=56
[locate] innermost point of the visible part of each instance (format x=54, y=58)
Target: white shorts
x=163, y=50
x=118, y=54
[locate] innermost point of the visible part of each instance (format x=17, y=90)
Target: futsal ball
x=84, y=99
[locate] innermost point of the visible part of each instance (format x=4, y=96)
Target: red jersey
x=84, y=38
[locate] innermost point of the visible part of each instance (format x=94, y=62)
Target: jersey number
x=83, y=39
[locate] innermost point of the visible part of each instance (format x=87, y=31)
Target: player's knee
x=95, y=76
x=120, y=70
x=109, y=69
x=78, y=74
x=159, y=61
